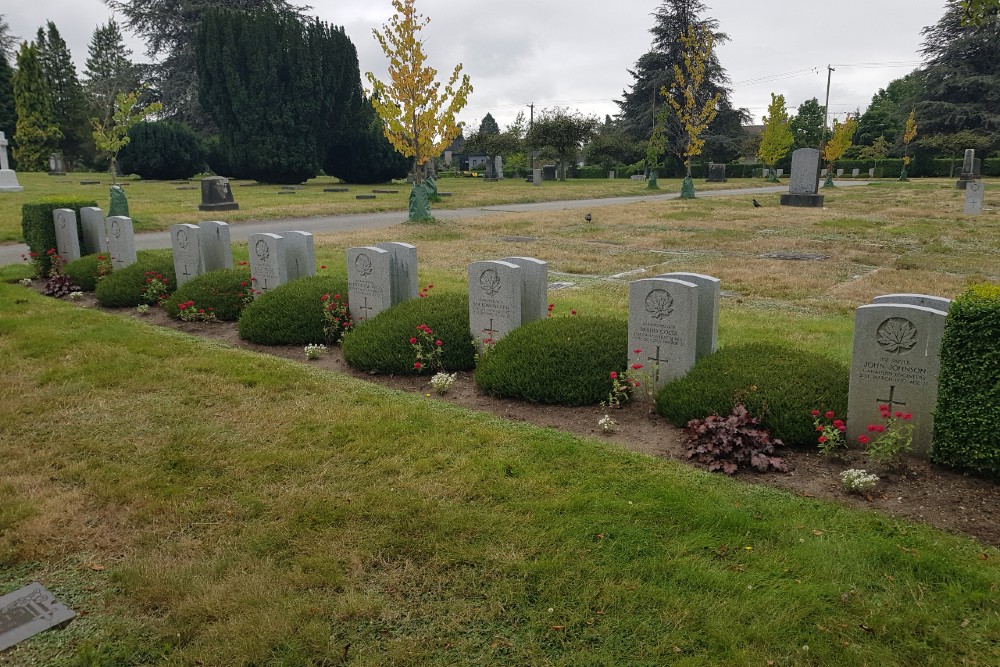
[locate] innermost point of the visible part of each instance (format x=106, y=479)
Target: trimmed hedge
x=381, y=344
x=83, y=271
x=966, y=434
x=162, y=150
x=220, y=290
x=777, y=383
x=290, y=314
x=564, y=360
x=38, y=229
x=124, y=287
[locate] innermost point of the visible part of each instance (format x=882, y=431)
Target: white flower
x=607, y=424
x=25, y=282
x=441, y=382
x=76, y=296
x=858, y=481
x=142, y=308
x=313, y=350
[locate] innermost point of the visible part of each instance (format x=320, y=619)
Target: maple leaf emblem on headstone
x=363, y=263
x=659, y=304
x=489, y=282
x=897, y=335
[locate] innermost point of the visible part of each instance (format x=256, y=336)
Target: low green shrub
x=84, y=271
x=382, y=344
x=966, y=432
x=290, y=314
x=124, y=287
x=39, y=230
x=223, y=291
x=777, y=383
x=563, y=360
x=162, y=150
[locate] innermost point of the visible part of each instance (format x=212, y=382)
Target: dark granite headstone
x=216, y=195
x=28, y=611
x=364, y=196
x=805, y=180
x=335, y=189
x=968, y=169
x=716, y=173
x=549, y=172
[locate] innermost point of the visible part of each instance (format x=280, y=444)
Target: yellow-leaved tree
x=694, y=112
x=909, y=134
x=840, y=141
x=778, y=136
x=111, y=134
x=417, y=114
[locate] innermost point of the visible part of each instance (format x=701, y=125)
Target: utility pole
x=531, y=117
x=826, y=109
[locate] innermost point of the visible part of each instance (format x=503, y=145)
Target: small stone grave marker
x=28, y=611
x=369, y=281
x=8, y=177
x=709, y=296
x=186, y=244
x=973, y=198
x=386, y=192
x=494, y=300
x=56, y=165
x=716, y=173
x=519, y=239
x=90, y=182
x=268, y=268
x=663, y=326
x=871, y=173
x=93, y=236
x=855, y=173
x=840, y=172
x=300, y=254
x=67, y=234
x=286, y=192
x=925, y=300
x=968, y=169
x=216, y=195
x=336, y=189
x=403, y=272
x=896, y=358
x=534, y=287
x=121, y=241
x=364, y=196
x=216, y=248
x=780, y=173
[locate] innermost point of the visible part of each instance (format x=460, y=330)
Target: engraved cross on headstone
x=365, y=309
x=891, y=401
x=656, y=366
x=490, y=333
x=186, y=272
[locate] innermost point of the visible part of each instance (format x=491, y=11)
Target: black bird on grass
x=588, y=217
x=756, y=204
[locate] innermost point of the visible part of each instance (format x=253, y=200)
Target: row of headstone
x=8, y=177
x=94, y=234
x=803, y=185
x=379, y=277
x=200, y=248
x=895, y=362
x=504, y=294
x=276, y=259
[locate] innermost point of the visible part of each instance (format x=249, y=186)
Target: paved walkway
x=11, y=254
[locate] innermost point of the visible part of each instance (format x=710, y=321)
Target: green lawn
x=205, y=505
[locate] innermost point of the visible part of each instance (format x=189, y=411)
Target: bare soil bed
x=916, y=490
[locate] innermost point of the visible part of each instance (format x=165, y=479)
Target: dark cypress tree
x=655, y=69
x=69, y=106
x=108, y=70
x=281, y=91
x=36, y=134
x=366, y=156
x=8, y=113
x=162, y=150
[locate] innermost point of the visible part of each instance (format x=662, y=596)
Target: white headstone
x=494, y=300
x=121, y=241
x=369, y=281
x=300, y=254
x=822, y=172
x=709, y=297
x=534, y=287
x=404, y=270
x=8, y=178
x=186, y=244
x=498, y=166
x=93, y=238
x=871, y=173
x=855, y=172
x=663, y=327
x=840, y=172
x=216, y=249
x=973, y=198
x=895, y=362
x=67, y=234
x=780, y=173
x=925, y=300
x=267, y=261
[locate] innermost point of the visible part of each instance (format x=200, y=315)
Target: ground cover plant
x=225, y=292
x=240, y=509
x=290, y=314
x=130, y=286
x=88, y=270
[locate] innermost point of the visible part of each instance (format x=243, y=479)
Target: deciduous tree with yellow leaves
x=843, y=136
x=418, y=115
x=778, y=136
x=909, y=134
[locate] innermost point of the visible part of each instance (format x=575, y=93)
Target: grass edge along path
x=204, y=504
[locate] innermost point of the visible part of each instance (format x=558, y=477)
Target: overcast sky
x=576, y=53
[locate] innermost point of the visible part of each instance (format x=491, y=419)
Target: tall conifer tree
x=69, y=107
x=36, y=135
x=109, y=70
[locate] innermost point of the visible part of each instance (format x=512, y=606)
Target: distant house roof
x=753, y=129
x=458, y=145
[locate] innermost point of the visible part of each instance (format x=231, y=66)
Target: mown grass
x=205, y=505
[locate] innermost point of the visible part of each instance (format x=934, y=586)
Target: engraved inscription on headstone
x=663, y=326
x=709, y=297
x=534, y=287
x=121, y=241
x=28, y=611
x=369, y=281
x=494, y=300
x=93, y=234
x=187, y=252
x=216, y=248
x=973, y=198
x=404, y=270
x=896, y=359
x=267, y=261
x=299, y=254
x=67, y=234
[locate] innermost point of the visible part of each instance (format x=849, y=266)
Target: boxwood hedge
x=290, y=314
x=124, y=287
x=220, y=290
x=83, y=271
x=39, y=230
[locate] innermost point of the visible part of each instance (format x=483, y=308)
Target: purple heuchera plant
x=726, y=443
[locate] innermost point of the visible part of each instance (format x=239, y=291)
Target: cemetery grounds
x=206, y=504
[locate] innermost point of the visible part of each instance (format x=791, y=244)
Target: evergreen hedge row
x=123, y=288
x=162, y=150
x=966, y=431
x=220, y=290
x=38, y=229
x=290, y=314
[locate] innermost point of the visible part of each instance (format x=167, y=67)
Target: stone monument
x=924, y=300
x=716, y=173
x=663, y=327
x=216, y=195
x=709, y=297
x=968, y=169
x=534, y=287
x=369, y=282
x=56, y=165
x=67, y=234
x=494, y=300
x=973, y=198
x=8, y=178
x=186, y=243
x=267, y=261
x=403, y=260
x=216, y=248
x=121, y=241
x=804, y=183
x=94, y=237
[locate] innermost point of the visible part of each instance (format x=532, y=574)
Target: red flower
x=614, y=375
x=636, y=367
x=822, y=438
x=884, y=408
x=323, y=266
x=899, y=415
x=872, y=427
x=815, y=413
x=879, y=428
x=864, y=439
x=243, y=284
x=572, y=312
x=636, y=383
x=322, y=298
x=417, y=365
x=337, y=297
x=841, y=428
x=413, y=341
x=837, y=423
x=50, y=251
x=637, y=351
x=829, y=414
x=908, y=416
x=438, y=343
x=819, y=428
x=100, y=258
x=430, y=287
x=551, y=306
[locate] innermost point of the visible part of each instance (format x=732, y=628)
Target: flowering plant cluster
x=25, y=282
x=246, y=294
x=441, y=382
x=889, y=440
x=58, y=285
x=36, y=262
x=552, y=308
x=314, y=350
x=104, y=267
x=156, y=288
x=831, y=431
x=427, y=348
x=858, y=481
x=142, y=308
x=623, y=385
x=337, y=320
x=423, y=293
x=191, y=313
x=607, y=424
x=76, y=295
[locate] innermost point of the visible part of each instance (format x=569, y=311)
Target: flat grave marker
x=30, y=610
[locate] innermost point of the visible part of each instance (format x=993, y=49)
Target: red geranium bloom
x=815, y=413
x=614, y=375
x=822, y=438
x=829, y=414
x=864, y=439
x=413, y=341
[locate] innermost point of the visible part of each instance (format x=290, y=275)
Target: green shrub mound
x=381, y=344
x=220, y=290
x=37, y=226
x=965, y=420
x=83, y=271
x=162, y=150
x=564, y=360
x=124, y=287
x=290, y=314
x=778, y=384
